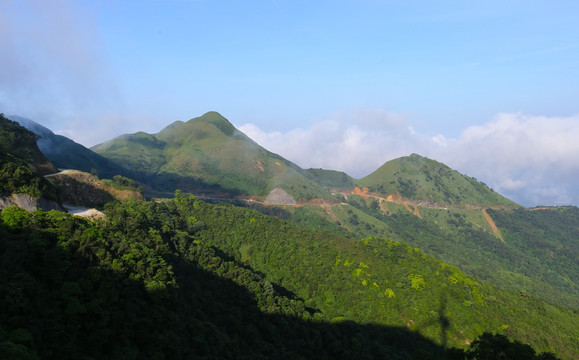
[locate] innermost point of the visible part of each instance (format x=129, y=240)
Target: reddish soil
x=416, y=211
x=259, y=165
x=494, y=227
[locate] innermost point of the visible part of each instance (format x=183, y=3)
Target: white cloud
x=533, y=160
x=356, y=142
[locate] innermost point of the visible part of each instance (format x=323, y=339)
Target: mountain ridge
x=210, y=150
x=65, y=153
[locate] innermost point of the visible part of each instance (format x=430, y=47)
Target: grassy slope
x=549, y=238
x=209, y=151
x=424, y=180
x=330, y=178
x=84, y=189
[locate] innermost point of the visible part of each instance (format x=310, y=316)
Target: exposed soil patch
x=278, y=196
x=492, y=224
x=91, y=214
x=259, y=165
x=416, y=211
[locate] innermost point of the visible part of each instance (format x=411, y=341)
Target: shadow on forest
x=165, y=185
x=74, y=308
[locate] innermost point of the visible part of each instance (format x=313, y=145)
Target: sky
x=490, y=88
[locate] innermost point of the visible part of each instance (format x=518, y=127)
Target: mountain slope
x=22, y=165
x=330, y=178
x=21, y=143
x=186, y=279
x=64, y=153
x=378, y=281
x=429, y=182
x=208, y=154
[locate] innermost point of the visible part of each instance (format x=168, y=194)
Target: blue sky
x=349, y=84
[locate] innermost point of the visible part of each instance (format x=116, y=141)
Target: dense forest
x=186, y=279
x=537, y=251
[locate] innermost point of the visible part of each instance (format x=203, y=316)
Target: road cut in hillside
x=492, y=224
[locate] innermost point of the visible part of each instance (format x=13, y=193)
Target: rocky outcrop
x=278, y=196
x=28, y=203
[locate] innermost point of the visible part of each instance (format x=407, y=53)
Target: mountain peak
x=420, y=179
x=216, y=119
x=207, y=154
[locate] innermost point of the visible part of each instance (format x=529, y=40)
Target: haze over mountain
x=67, y=154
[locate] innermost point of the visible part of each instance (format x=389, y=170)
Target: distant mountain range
x=208, y=155
x=363, y=249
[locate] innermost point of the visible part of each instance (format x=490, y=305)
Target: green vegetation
x=330, y=178
x=67, y=154
x=20, y=162
x=21, y=144
x=120, y=182
x=182, y=278
x=186, y=279
x=348, y=279
x=547, y=241
x=421, y=179
x=208, y=155
x=537, y=256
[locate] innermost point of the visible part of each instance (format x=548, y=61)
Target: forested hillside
x=548, y=240
x=537, y=254
x=22, y=164
x=184, y=279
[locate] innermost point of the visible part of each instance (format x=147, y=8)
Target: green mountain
x=330, y=178
x=64, y=153
x=22, y=164
x=208, y=155
x=186, y=279
x=21, y=143
x=429, y=182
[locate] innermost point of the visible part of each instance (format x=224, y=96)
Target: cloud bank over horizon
x=532, y=160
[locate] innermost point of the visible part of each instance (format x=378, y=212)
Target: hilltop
x=208, y=155
x=428, y=182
